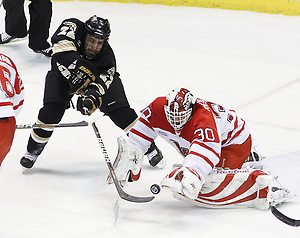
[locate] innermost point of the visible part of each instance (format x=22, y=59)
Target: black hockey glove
x=83, y=74
x=90, y=101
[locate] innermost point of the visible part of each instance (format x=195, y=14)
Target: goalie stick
x=120, y=191
x=37, y=126
x=284, y=218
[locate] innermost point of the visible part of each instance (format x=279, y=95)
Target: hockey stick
x=120, y=191
x=284, y=218
x=38, y=126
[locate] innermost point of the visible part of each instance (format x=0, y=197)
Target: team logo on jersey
x=183, y=151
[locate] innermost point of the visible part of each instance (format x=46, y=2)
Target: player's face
x=92, y=45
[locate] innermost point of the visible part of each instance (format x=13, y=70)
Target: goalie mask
x=179, y=107
x=97, y=32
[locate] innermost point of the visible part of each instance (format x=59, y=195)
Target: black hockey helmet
x=98, y=27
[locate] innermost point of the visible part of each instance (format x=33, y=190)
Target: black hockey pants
x=40, y=17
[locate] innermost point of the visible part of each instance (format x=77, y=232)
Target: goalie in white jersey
x=215, y=143
x=206, y=134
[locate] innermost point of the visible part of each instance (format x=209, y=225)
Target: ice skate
x=254, y=160
x=6, y=38
x=28, y=160
x=46, y=52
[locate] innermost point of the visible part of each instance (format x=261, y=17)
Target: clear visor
x=177, y=119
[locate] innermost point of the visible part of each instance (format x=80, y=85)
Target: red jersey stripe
x=20, y=104
x=206, y=147
x=2, y=104
x=203, y=157
x=142, y=120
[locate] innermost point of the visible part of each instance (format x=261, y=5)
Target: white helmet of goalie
x=179, y=107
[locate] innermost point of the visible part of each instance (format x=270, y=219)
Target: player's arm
x=142, y=134
x=106, y=65
x=204, y=152
x=202, y=157
x=90, y=84
x=67, y=37
x=66, y=45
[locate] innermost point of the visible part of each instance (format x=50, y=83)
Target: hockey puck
x=155, y=189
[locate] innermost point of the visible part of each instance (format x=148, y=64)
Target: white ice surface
x=246, y=61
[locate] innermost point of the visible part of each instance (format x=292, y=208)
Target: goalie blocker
x=128, y=163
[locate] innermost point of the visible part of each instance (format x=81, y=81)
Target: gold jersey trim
x=63, y=46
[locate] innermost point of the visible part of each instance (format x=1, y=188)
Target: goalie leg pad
x=128, y=163
x=239, y=189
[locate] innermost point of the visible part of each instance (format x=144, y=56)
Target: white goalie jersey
x=204, y=138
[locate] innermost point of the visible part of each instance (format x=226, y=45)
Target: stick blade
x=132, y=198
x=122, y=193
x=287, y=220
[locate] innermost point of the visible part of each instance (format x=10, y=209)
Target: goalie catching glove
x=128, y=163
x=185, y=181
x=90, y=100
x=83, y=74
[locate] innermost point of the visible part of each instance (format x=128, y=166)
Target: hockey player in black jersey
x=83, y=63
